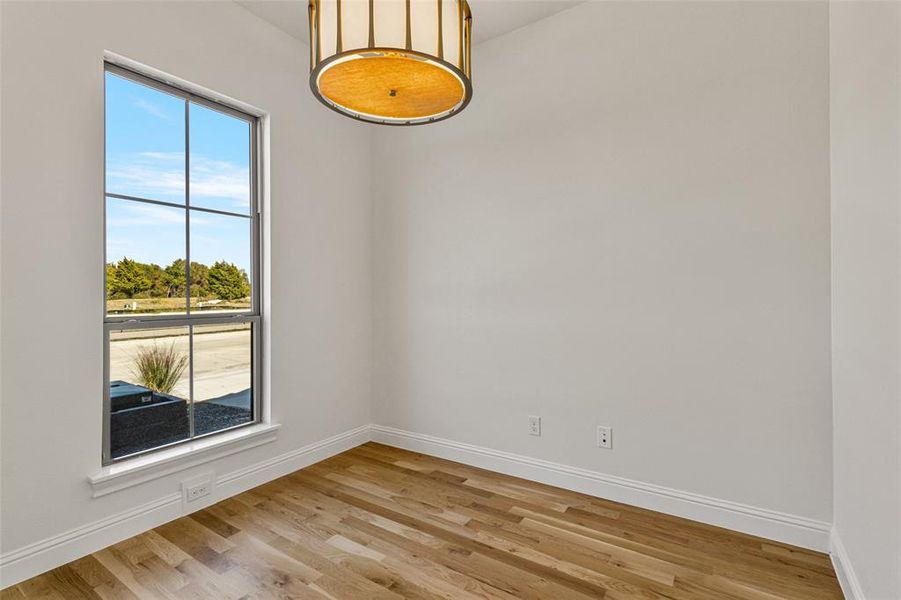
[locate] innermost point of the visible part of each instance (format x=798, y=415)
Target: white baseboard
x=242, y=480
x=790, y=529
x=844, y=570
x=34, y=559
x=49, y=553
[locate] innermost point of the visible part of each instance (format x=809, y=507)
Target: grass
x=159, y=367
x=123, y=306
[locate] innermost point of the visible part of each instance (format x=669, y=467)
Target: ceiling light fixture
x=392, y=62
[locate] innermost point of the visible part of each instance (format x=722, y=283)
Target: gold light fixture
x=393, y=62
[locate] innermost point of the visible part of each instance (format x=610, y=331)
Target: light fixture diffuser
x=392, y=62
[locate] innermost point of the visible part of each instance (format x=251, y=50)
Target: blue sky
x=145, y=154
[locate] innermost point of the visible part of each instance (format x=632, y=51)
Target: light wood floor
x=377, y=522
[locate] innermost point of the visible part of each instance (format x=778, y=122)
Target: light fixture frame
x=319, y=66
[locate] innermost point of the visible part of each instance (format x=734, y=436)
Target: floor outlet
x=534, y=425
x=605, y=437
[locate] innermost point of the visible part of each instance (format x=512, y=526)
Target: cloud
x=220, y=179
x=160, y=176
x=151, y=108
x=116, y=248
x=127, y=214
x=164, y=156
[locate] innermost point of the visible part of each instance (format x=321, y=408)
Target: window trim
x=188, y=319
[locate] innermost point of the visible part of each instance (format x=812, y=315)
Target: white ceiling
x=490, y=18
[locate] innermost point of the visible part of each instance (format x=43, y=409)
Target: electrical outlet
x=197, y=487
x=605, y=437
x=197, y=491
x=534, y=425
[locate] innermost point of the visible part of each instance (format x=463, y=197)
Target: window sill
x=142, y=469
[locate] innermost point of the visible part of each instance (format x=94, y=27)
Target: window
x=182, y=306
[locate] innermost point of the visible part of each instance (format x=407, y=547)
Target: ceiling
x=491, y=18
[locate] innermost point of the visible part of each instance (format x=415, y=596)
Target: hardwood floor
x=379, y=523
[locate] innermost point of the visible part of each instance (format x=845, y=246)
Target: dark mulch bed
x=208, y=417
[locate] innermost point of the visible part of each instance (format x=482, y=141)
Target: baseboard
x=41, y=556
x=787, y=528
x=34, y=559
x=844, y=570
x=242, y=480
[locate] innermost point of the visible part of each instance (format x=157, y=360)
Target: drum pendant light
x=392, y=62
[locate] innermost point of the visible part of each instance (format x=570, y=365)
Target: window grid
x=190, y=319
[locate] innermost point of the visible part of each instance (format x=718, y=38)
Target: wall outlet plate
x=605, y=437
x=534, y=425
x=196, y=487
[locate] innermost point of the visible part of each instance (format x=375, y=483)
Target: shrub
x=159, y=367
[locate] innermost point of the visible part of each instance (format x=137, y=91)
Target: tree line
x=132, y=279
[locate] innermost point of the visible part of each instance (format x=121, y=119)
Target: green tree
x=130, y=279
x=157, y=277
x=110, y=280
x=200, y=275
x=174, y=278
x=228, y=282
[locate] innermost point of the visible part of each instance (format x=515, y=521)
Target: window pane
x=145, y=258
x=220, y=161
x=220, y=262
x=222, y=376
x=168, y=239
x=149, y=389
x=145, y=141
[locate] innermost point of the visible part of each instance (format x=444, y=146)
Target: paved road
x=221, y=362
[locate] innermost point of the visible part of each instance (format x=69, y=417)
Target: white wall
x=628, y=226
x=52, y=242
x=865, y=98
